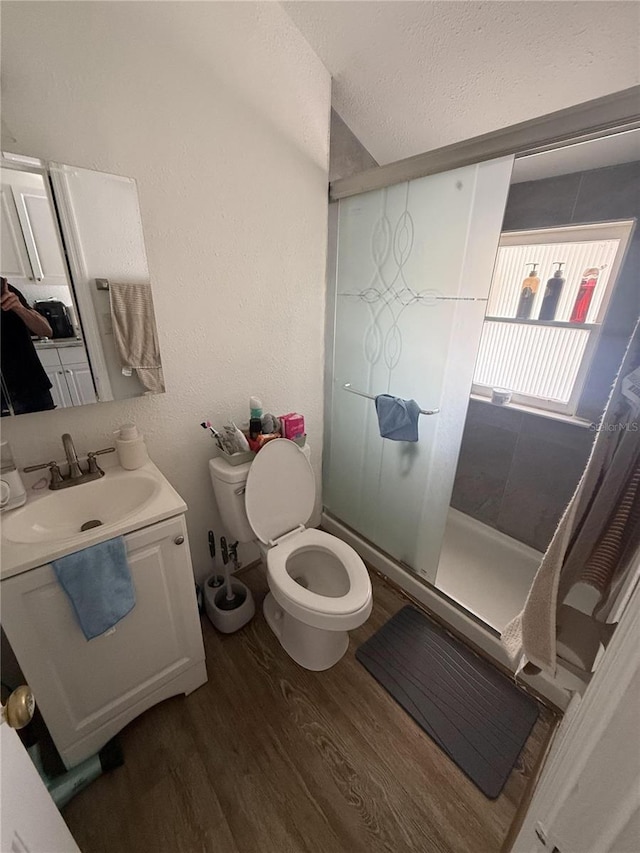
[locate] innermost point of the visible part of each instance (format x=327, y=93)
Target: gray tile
x=602, y=373
x=541, y=204
x=542, y=479
x=543, y=429
x=610, y=193
x=530, y=517
x=624, y=306
x=483, y=467
x=478, y=495
x=490, y=414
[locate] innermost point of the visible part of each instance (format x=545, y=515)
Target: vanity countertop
x=57, y=343
x=20, y=556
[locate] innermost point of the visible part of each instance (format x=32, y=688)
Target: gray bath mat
x=472, y=711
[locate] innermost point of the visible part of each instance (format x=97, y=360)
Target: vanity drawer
x=72, y=355
x=48, y=357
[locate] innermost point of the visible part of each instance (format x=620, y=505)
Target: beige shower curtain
x=598, y=534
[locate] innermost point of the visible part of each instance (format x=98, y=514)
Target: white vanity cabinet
x=69, y=373
x=15, y=260
x=32, y=239
x=89, y=690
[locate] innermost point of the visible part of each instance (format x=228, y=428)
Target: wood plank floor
x=272, y=758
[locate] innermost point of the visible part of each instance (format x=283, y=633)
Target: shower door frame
x=594, y=119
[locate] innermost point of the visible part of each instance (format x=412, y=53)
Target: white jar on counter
x=132, y=451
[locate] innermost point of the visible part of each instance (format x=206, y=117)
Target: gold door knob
x=18, y=711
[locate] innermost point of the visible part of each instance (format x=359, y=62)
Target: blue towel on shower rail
x=397, y=418
x=98, y=583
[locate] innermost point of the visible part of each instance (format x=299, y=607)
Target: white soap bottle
x=132, y=451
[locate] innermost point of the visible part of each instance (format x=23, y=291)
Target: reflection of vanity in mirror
x=77, y=312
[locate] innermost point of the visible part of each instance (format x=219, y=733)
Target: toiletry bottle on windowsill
x=552, y=293
x=528, y=293
x=585, y=295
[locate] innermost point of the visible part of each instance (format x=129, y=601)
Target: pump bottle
x=528, y=293
x=552, y=293
x=585, y=294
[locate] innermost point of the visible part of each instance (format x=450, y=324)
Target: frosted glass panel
x=414, y=265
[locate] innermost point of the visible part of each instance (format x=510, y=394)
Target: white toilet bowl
x=319, y=587
x=320, y=590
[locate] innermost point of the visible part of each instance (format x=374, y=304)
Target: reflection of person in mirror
x=23, y=377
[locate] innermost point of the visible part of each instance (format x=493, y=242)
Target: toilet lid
x=280, y=491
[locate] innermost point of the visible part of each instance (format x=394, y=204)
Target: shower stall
x=413, y=267
x=412, y=253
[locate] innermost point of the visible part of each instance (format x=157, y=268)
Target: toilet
x=319, y=587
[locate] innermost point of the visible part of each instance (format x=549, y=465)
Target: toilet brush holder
x=228, y=616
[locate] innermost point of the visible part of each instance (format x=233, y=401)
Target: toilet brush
x=232, y=599
x=228, y=602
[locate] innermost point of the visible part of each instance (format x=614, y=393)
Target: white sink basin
x=60, y=515
x=49, y=525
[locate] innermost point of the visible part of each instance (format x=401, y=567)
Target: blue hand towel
x=98, y=583
x=397, y=419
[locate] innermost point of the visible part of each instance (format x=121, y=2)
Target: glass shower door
x=414, y=265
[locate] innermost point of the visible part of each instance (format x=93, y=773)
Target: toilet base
x=312, y=648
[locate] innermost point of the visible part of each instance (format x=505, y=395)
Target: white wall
x=221, y=113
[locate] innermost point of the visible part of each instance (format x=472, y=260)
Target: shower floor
x=485, y=571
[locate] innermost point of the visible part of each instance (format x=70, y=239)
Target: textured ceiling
x=412, y=76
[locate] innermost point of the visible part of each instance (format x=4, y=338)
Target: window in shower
x=543, y=358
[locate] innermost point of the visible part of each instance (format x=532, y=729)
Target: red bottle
x=585, y=294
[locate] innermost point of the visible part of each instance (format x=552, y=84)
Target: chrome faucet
x=76, y=475
x=75, y=471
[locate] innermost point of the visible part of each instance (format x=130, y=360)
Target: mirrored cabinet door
x=68, y=232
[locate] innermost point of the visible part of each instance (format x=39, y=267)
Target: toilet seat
x=340, y=613
x=279, y=500
x=280, y=491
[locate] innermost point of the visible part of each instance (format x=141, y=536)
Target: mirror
x=77, y=316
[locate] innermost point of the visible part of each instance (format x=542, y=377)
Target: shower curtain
x=597, y=536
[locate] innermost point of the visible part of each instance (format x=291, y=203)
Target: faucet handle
x=94, y=468
x=54, y=470
x=30, y=468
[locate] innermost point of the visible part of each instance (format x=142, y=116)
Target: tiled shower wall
x=517, y=471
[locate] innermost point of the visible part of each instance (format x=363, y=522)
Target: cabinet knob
x=179, y=540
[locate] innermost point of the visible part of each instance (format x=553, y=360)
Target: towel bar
x=347, y=387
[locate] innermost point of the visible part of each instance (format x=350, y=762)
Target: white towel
x=135, y=334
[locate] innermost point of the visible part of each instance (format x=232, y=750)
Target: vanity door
x=77, y=374
x=89, y=690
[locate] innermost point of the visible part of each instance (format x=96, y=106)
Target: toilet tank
x=229, y=482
